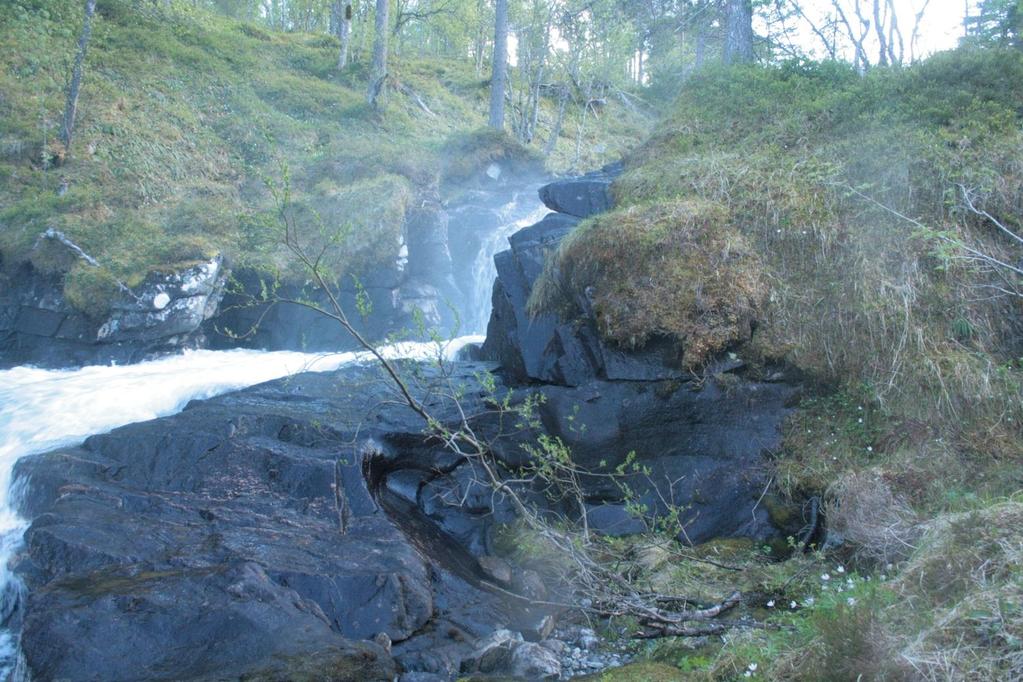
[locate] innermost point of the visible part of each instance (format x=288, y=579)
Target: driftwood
x=58, y=236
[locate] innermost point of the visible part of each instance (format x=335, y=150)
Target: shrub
x=880, y=527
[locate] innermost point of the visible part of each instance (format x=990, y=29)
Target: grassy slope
x=183, y=117
x=921, y=404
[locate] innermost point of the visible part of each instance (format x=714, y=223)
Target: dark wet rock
x=163, y=314
x=430, y=280
x=210, y=623
x=242, y=322
x=698, y=439
x=251, y=530
x=497, y=569
x=581, y=197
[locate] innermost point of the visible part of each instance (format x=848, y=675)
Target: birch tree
x=499, y=69
x=75, y=83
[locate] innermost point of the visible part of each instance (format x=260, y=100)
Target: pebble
x=586, y=653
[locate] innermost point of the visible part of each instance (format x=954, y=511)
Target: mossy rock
x=676, y=269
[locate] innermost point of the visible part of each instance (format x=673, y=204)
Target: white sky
x=940, y=29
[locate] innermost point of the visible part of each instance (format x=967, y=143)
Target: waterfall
x=41, y=410
x=522, y=211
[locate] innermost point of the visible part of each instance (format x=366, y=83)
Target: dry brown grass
x=880, y=527
x=970, y=568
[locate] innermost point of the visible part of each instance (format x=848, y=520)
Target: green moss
x=91, y=289
x=676, y=269
x=469, y=155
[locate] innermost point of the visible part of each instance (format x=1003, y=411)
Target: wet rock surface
x=306, y=528
x=582, y=196
x=163, y=314
x=431, y=280
x=256, y=528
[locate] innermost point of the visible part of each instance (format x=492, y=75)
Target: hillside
x=186, y=118
x=849, y=228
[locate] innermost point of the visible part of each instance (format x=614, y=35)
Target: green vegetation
x=833, y=214
x=805, y=166
x=183, y=118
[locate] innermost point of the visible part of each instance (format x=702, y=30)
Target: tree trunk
x=701, y=46
x=639, y=64
x=499, y=69
x=341, y=15
x=882, y=57
x=75, y=84
x=378, y=74
x=739, y=41
x=552, y=141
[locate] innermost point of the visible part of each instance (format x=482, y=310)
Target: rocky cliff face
x=163, y=314
x=431, y=282
x=703, y=437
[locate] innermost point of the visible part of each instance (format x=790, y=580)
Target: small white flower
x=747, y=674
x=870, y=449
x=851, y=601
x=860, y=420
x=808, y=601
x=860, y=408
x=884, y=577
x=840, y=569
x=770, y=604
x=825, y=576
x=792, y=604
x=752, y=667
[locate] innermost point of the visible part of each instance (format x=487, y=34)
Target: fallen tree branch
x=61, y=238
x=414, y=96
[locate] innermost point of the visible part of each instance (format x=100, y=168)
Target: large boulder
x=697, y=440
x=582, y=196
x=256, y=532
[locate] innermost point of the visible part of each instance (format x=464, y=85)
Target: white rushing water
x=522, y=211
x=45, y=409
